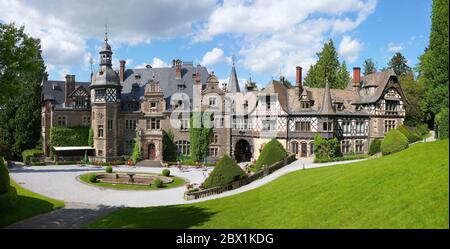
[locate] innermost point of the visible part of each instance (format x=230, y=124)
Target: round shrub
x=394, y=141
x=165, y=172
x=108, y=169
x=93, y=178
x=271, y=153
x=157, y=182
x=375, y=146
x=409, y=133
x=224, y=173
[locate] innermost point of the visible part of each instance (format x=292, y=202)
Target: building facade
x=143, y=104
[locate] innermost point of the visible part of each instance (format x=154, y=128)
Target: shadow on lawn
x=156, y=217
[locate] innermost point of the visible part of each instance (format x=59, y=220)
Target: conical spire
x=233, y=83
x=327, y=106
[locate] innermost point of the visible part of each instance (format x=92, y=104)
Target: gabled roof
x=233, y=83
x=54, y=90
x=76, y=89
x=280, y=89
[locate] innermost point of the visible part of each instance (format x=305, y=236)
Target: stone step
x=149, y=163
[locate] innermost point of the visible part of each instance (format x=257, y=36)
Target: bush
x=27, y=154
x=343, y=158
x=441, y=121
x=409, y=133
x=375, y=146
x=93, y=178
x=326, y=148
x=271, y=153
x=8, y=200
x=165, y=172
x=423, y=130
x=69, y=136
x=224, y=173
x=394, y=141
x=157, y=183
x=136, y=152
x=4, y=177
x=109, y=169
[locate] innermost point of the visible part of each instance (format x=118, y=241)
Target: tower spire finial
x=106, y=32
x=233, y=60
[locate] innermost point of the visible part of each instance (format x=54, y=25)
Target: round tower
x=105, y=102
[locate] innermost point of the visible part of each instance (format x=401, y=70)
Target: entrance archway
x=151, y=151
x=303, y=149
x=243, y=151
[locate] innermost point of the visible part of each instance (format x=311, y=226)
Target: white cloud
x=278, y=35
x=157, y=62
x=213, y=57
x=349, y=48
x=392, y=47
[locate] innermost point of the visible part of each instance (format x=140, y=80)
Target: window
x=110, y=124
x=213, y=151
x=80, y=102
x=184, y=124
x=359, y=127
x=131, y=106
x=339, y=106
x=345, y=146
x=269, y=125
x=130, y=124
x=153, y=124
x=303, y=126
x=86, y=120
x=212, y=101
x=62, y=121
x=389, y=125
x=100, y=131
x=182, y=147
x=346, y=127
x=294, y=147
x=359, y=146
x=214, y=139
x=391, y=107
x=328, y=126
x=153, y=106
x=111, y=94
x=268, y=102
x=99, y=152
x=100, y=95
x=128, y=147
x=305, y=104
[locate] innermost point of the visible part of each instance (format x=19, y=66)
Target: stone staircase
x=149, y=163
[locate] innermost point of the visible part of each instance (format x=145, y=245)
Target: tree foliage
x=69, y=136
x=399, y=63
x=433, y=66
x=91, y=137
x=200, y=131
x=22, y=70
x=369, y=66
x=415, y=93
x=136, y=156
x=326, y=148
x=327, y=67
x=8, y=194
x=169, y=147
x=442, y=123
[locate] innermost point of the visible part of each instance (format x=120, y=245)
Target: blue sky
x=265, y=37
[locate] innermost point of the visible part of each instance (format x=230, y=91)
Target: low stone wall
x=237, y=184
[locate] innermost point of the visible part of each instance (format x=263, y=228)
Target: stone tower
x=105, y=98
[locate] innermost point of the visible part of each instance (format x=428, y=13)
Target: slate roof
x=233, y=83
x=327, y=105
x=54, y=90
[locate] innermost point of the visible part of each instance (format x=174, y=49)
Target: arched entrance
x=243, y=151
x=303, y=149
x=151, y=151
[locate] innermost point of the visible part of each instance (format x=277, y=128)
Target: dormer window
x=137, y=76
x=305, y=104
x=339, y=106
x=212, y=101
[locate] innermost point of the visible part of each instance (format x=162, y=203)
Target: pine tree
x=414, y=92
x=399, y=63
x=343, y=76
x=326, y=67
x=433, y=67
x=369, y=66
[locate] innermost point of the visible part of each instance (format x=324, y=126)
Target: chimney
x=178, y=69
x=173, y=63
x=122, y=71
x=356, y=77
x=298, y=79
x=69, y=87
x=197, y=78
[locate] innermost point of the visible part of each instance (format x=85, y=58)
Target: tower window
x=100, y=131
x=110, y=124
x=327, y=126
x=100, y=95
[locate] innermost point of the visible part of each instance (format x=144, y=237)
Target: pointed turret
x=327, y=105
x=233, y=83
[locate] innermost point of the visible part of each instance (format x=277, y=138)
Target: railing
x=236, y=184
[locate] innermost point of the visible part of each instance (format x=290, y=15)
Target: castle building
x=143, y=103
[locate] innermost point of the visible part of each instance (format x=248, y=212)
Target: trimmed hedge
x=410, y=133
x=108, y=169
x=157, y=183
x=343, y=158
x=8, y=194
x=69, y=136
x=165, y=172
x=27, y=154
x=93, y=178
x=224, y=173
x=394, y=141
x=375, y=146
x=272, y=152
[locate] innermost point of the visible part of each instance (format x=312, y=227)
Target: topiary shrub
x=375, y=146
x=394, y=141
x=271, y=153
x=157, y=183
x=165, y=172
x=93, y=178
x=109, y=169
x=409, y=133
x=27, y=154
x=8, y=194
x=326, y=148
x=224, y=173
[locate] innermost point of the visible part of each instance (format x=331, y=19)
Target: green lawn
x=177, y=182
x=408, y=189
x=29, y=204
